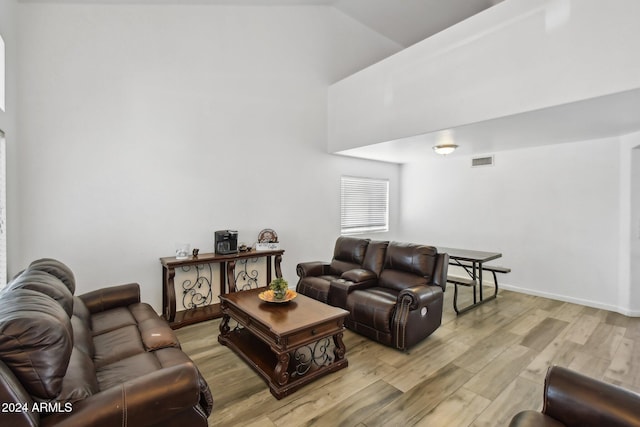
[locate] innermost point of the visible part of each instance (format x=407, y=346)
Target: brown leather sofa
x=98, y=359
x=572, y=399
x=393, y=291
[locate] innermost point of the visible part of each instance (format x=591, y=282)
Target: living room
x=132, y=126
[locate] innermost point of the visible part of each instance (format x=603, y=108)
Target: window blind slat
x=364, y=205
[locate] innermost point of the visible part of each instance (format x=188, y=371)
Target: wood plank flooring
x=477, y=369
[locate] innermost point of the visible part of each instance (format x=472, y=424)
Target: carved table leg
x=340, y=350
x=281, y=374
x=224, y=326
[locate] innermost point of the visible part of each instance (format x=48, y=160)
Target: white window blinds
x=364, y=205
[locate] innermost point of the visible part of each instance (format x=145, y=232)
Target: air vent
x=482, y=161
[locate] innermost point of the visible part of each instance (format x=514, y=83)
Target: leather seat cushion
x=112, y=319
x=126, y=369
x=117, y=345
x=316, y=287
x=373, y=307
x=400, y=280
x=35, y=341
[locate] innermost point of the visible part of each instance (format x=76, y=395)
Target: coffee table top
x=283, y=318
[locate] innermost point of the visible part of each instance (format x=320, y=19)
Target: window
x=364, y=205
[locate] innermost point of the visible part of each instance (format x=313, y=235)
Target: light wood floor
x=477, y=369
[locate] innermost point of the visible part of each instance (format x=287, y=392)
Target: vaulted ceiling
x=404, y=21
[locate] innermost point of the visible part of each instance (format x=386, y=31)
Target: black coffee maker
x=226, y=242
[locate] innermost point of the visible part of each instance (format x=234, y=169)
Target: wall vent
x=482, y=161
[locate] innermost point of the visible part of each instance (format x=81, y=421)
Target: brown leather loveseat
x=98, y=359
x=393, y=291
x=574, y=400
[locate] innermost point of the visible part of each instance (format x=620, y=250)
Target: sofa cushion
x=400, y=280
x=116, y=345
x=57, y=269
x=47, y=284
x=375, y=256
x=112, y=319
x=127, y=369
x=80, y=379
x=348, y=254
x=417, y=259
x=35, y=341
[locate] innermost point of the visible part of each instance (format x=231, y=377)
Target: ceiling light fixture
x=445, y=149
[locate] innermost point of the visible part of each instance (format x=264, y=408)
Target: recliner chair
x=572, y=399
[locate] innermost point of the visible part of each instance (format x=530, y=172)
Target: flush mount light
x=445, y=149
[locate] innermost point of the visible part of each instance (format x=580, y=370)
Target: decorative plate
x=267, y=296
x=267, y=236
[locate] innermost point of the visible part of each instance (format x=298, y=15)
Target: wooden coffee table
x=288, y=344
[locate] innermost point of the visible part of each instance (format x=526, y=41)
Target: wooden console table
x=202, y=306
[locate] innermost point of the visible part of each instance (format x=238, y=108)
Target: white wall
x=517, y=56
x=143, y=126
x=552, y=211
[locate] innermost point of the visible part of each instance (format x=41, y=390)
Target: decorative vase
x=279, y=293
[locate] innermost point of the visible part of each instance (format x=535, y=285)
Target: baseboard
x=579, y=301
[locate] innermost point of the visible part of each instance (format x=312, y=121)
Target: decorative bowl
x=268, y=296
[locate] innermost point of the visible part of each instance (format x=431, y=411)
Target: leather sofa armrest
x=533, y=419
x=577, y=400
x=359, y=275
x=144, y=401
x=441, y=271
x=111, y=297
x=312, y=269
x=339, y=290
x=420, y=295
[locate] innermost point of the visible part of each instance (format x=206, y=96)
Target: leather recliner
x=99, y=359
x=572, y=399
x=394, y=296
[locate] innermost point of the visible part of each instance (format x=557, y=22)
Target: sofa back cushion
x=57, y=269
x=348, y=254
x=35, y=340
x=407, y=265
x=375, y=256
x=47, y=284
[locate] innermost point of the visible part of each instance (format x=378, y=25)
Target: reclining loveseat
x=100, y=359
x=393, y=291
